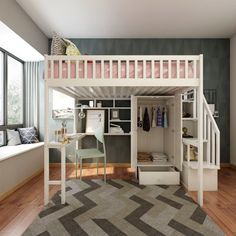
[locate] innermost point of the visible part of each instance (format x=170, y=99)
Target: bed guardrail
x=122, y=67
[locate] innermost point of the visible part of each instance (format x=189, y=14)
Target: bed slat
x=119, y=69
x=161, y=69
x=127, y=69
x=153, y=69
x=186, y=69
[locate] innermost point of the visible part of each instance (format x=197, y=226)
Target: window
x=14, y=91
x=62, y=107
x=11, y=93
x=1, y=89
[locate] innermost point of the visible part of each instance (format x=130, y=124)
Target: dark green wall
x=216, y=65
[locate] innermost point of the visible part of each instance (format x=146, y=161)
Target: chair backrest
x=99, y=134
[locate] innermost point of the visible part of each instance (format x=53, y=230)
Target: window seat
x=11, y=151
x=19, y=164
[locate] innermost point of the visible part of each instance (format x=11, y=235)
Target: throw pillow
x=28, y=135
x=58, y=46
x=71, y=49
x=13, y=137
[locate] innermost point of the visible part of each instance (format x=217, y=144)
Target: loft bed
x=123, y=77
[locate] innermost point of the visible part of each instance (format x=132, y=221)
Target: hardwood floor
x=221, y=205
x=19, y=209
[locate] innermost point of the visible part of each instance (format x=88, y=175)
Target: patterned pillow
x=13, y=137
x=28, y=135
x=71, y=49
x=58, y=46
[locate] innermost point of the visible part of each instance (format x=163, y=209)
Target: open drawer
x=161, y=175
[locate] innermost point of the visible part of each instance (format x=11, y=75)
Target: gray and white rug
x=122, y=207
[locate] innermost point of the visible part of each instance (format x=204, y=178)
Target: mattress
x=123, y=70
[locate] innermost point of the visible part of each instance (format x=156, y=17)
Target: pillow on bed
x=13, y=137
x=28, y=135
x=71, y=49
x=58, y=46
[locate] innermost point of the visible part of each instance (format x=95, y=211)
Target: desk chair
x=92, y=153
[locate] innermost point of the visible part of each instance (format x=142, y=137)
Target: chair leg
x=76, y=166
x=80, y=168
x=97, y=166
x=105, y=163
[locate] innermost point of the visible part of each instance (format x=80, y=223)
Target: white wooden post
x=200, y=134
x=63, y=174
x=46, y=150
x=134, y=149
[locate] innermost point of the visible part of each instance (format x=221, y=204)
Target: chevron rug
x=122, y=207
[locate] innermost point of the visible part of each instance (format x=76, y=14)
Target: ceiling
x=134, y=18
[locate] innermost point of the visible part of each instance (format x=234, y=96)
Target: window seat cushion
x=11, y=151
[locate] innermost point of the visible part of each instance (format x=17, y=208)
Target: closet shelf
x=190, y=119
x=100, y=108
x=188, y=100
x=154, y=163
x=120, y=120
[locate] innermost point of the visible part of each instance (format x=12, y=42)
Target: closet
x=156, y=138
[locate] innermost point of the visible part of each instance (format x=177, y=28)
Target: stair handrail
x=216, y=131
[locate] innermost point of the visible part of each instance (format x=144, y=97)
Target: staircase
x=211, y=153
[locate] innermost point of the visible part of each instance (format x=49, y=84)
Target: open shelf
x=120, y=121
x=189, y=119
x=154, y=163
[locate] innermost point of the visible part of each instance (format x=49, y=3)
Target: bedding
x=28, y=135
x=123, y=70
x=13, y=137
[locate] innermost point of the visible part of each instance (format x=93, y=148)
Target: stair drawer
x=158, y=175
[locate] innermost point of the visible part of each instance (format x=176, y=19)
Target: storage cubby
x=120, y=106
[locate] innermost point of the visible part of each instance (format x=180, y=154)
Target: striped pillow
x=58, y=46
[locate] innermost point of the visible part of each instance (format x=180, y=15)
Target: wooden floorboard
x=221, y=205
x=19, y=209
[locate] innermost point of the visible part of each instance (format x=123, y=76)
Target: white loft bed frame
x=165, y=86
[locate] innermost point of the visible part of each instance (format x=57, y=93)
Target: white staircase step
x=194, y=165
x=192, y=141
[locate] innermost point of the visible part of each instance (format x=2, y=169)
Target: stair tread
x=192, y=141
x=194, y=165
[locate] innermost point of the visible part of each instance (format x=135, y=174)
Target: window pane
x=14, y=91
x=1, y=88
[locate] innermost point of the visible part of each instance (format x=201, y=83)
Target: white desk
x=62, y=181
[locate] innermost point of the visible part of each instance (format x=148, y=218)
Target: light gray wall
x=233, y=100
x=17, y=20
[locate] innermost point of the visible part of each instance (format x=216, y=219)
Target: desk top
x=72, y=139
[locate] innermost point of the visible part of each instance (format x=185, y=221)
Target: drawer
x=158, y=175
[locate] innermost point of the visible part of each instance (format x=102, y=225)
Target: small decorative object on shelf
x=56, y=135
x=192, y=153
x=185, y=135
x=115, y=114
x=91, y=103
x=99, y=104
x=63, y=128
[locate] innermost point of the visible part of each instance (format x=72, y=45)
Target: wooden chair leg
x=76, y=166
x=105, y=177
x=80, y=168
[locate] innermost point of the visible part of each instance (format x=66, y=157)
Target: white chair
x=92, y=153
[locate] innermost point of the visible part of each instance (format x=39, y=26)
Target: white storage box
x=164, y=175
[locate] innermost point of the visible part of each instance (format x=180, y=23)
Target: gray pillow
x=13, y=137
x=58, y=46
x=28, y=135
